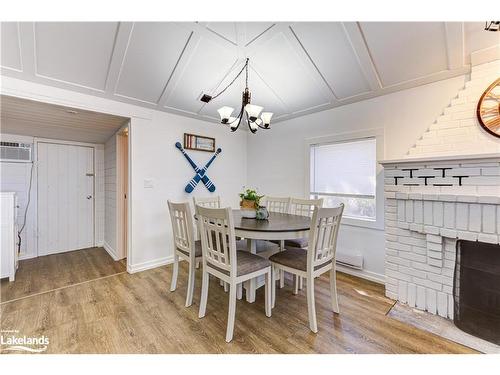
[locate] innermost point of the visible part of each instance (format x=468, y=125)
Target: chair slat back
x=277, y=204
x=182, y=226
x=304, y=207
x=216, y=228
x=325, y=225
x=210, y=202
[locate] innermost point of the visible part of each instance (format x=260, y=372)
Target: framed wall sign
x=199, y=142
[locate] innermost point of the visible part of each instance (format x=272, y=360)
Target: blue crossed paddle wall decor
x=200, y=172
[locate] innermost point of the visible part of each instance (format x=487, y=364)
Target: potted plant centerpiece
x=249, y=203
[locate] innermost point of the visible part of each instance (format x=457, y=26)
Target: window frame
x=378, y=135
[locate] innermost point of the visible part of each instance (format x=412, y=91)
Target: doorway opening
x=54, y=162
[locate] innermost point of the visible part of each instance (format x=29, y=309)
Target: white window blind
x=345, y=172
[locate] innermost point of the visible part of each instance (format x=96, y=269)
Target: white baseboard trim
x=110, y=251
x=368, y=275
x=133, y=268
x=27, y=256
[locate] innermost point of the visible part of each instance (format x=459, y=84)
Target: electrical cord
x=25, y=211
x=245, y=67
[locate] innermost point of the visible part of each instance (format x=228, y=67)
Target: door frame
x=122, y=188
x=94, y=147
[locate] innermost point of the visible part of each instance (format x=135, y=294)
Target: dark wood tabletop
x=276, y=223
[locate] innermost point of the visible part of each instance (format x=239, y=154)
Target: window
x=345, y=172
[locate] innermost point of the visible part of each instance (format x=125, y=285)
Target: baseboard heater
x=350, y=259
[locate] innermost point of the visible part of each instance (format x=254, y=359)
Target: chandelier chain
x=245, y=67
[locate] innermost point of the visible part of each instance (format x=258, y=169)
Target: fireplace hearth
x=476, y=290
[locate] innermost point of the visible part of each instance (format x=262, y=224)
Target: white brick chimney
x=446, y=189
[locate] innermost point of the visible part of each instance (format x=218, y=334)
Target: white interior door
x=65, y=198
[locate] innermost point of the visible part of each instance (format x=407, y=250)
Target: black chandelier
x=251, y=112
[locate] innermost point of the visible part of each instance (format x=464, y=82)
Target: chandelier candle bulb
x=266, y=118
x=253, y=111
x=225, y=114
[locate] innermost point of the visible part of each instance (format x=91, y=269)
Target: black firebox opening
x=476, y=290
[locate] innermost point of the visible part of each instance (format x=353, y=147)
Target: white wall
x=276, y=159
x=110, y=195
x=153, y=156
x=15, y=177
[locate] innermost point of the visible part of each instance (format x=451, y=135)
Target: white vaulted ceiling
x=295, y=68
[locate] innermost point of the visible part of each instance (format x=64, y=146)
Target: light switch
x=148, y=183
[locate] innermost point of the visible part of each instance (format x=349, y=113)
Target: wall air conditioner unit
x=15, y=152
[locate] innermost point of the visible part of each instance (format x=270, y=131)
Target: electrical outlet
x=148, y=183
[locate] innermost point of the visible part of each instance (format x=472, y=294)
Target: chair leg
x=282, y=273
x=239, y=291
x=333, y=290
x=301, y=282
x=311, y=307
x=175, y=272
x=295, y=284
x=231, y=313
x=198, y=264
x=273, y=286
x=190, y=288
x=282, y=278
x=204, y=294
x=268, y=292
x=226, y=287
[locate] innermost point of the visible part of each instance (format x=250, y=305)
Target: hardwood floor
x=50, y=272
x=138, y=314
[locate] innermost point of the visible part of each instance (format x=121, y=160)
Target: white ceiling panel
x=75, y=52
x=10, y=52
x=146, y=68
x=278, y=64
x=331, y=52
x=295, y=68
x=226, y=30
x=206, y=68
x=403, y=51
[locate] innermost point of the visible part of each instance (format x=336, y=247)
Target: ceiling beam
x=366, y=63
x=122, y=40
x=455, y=51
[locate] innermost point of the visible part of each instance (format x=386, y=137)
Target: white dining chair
x=279, y=205
x=215, y=202
x=185, y=246
x=301, y=207
x=222, y=260
x=210, y=202
x=316, y=260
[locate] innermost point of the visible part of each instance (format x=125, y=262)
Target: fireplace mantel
x=475, y=158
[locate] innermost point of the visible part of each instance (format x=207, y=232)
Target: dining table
x=277, y=227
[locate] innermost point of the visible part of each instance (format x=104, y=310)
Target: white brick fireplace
x=447, y=189
x=423, y=223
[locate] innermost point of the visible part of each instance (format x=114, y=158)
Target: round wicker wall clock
x=488, y=109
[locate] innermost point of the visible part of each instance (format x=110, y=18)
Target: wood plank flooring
x=50, y=272
x=138, y=314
